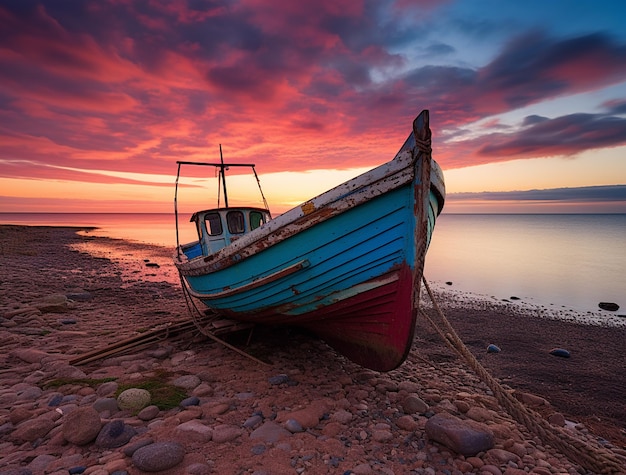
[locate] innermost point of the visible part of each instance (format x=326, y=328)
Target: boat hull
x=346, y=265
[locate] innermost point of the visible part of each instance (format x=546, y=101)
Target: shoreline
x=123, y=296
x=448, y=260
x=464, y=299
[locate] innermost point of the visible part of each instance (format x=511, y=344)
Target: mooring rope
x=194, y=311
x=592, y=458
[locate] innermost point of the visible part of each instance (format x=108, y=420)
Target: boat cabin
x=219, y=227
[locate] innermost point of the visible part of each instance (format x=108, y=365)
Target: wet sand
x=133, y=287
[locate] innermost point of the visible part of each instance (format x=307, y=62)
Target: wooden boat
x=345, y=265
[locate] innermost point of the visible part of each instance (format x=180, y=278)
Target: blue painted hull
x=348, y=267
x=341, y=252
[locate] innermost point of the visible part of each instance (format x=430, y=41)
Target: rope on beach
x=134, y=343
x=197, y=318
x=172, y=330
x=596, y=459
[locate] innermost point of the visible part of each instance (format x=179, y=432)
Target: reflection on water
x=157, y=228
x=136, y=261
x=571, y=260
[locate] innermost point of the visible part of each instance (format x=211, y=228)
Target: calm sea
x=573, y=261
x=570, y=260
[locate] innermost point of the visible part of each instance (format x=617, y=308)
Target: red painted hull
x=374, y=329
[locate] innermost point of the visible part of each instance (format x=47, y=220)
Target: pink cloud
x=292, y=85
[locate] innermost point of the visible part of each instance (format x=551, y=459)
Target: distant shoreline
x=171, y=213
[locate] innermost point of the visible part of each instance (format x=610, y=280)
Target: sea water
x=569, y=261
x=565, y=260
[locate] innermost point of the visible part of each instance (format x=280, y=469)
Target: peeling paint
x=346, y=264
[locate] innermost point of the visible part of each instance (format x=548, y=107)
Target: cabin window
x=256, y=219
x=235, y=222
x=213, y=224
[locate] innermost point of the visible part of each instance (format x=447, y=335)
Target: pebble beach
x=297, y=407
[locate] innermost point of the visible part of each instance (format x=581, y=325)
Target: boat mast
x=223, y=173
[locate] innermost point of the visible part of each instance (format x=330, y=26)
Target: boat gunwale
x=400, y=169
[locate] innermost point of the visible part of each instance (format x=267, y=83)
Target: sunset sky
x=99, y=99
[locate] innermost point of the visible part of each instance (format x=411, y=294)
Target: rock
x=30, y=393
x=293, y=426
x=76, y=470
x=133, y=399
x=20, y=414
x=258, y=449
x=493, y=349
x=407, y=423
x=414, y=405
x=481, y=414
x=115, y=434
x=82, y=425
x=557, y=419
x=33, y=429
x=106, y=404
x=190, y=401
x=66, y=371
x=501, y=456
x=55, y=400
x=382, y=435
x=244, y=396
x=278, y=379
x=148, y=413
x=41, y=462
x=490, y=470
x=56, y=303
x=253, y=421
x=541, y=471
x=188, y=381
x=269, y=432
x=35, y=377
x=107, y=389
x=332, y=429
x=560, y=352
x=531, y=400
x=198, y=469
x=342, y=416
x=130, y=449
x=79, y=296
x=309, y=416
x=610, y=306
x=194, y=430
x=17, y=471
x=225, y=433
x=462, y=406
x=30, y=355
x=464, y=437
x=8, y=398
x=409, y=387
x=158, y=456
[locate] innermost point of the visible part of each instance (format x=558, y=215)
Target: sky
x=99, y=99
